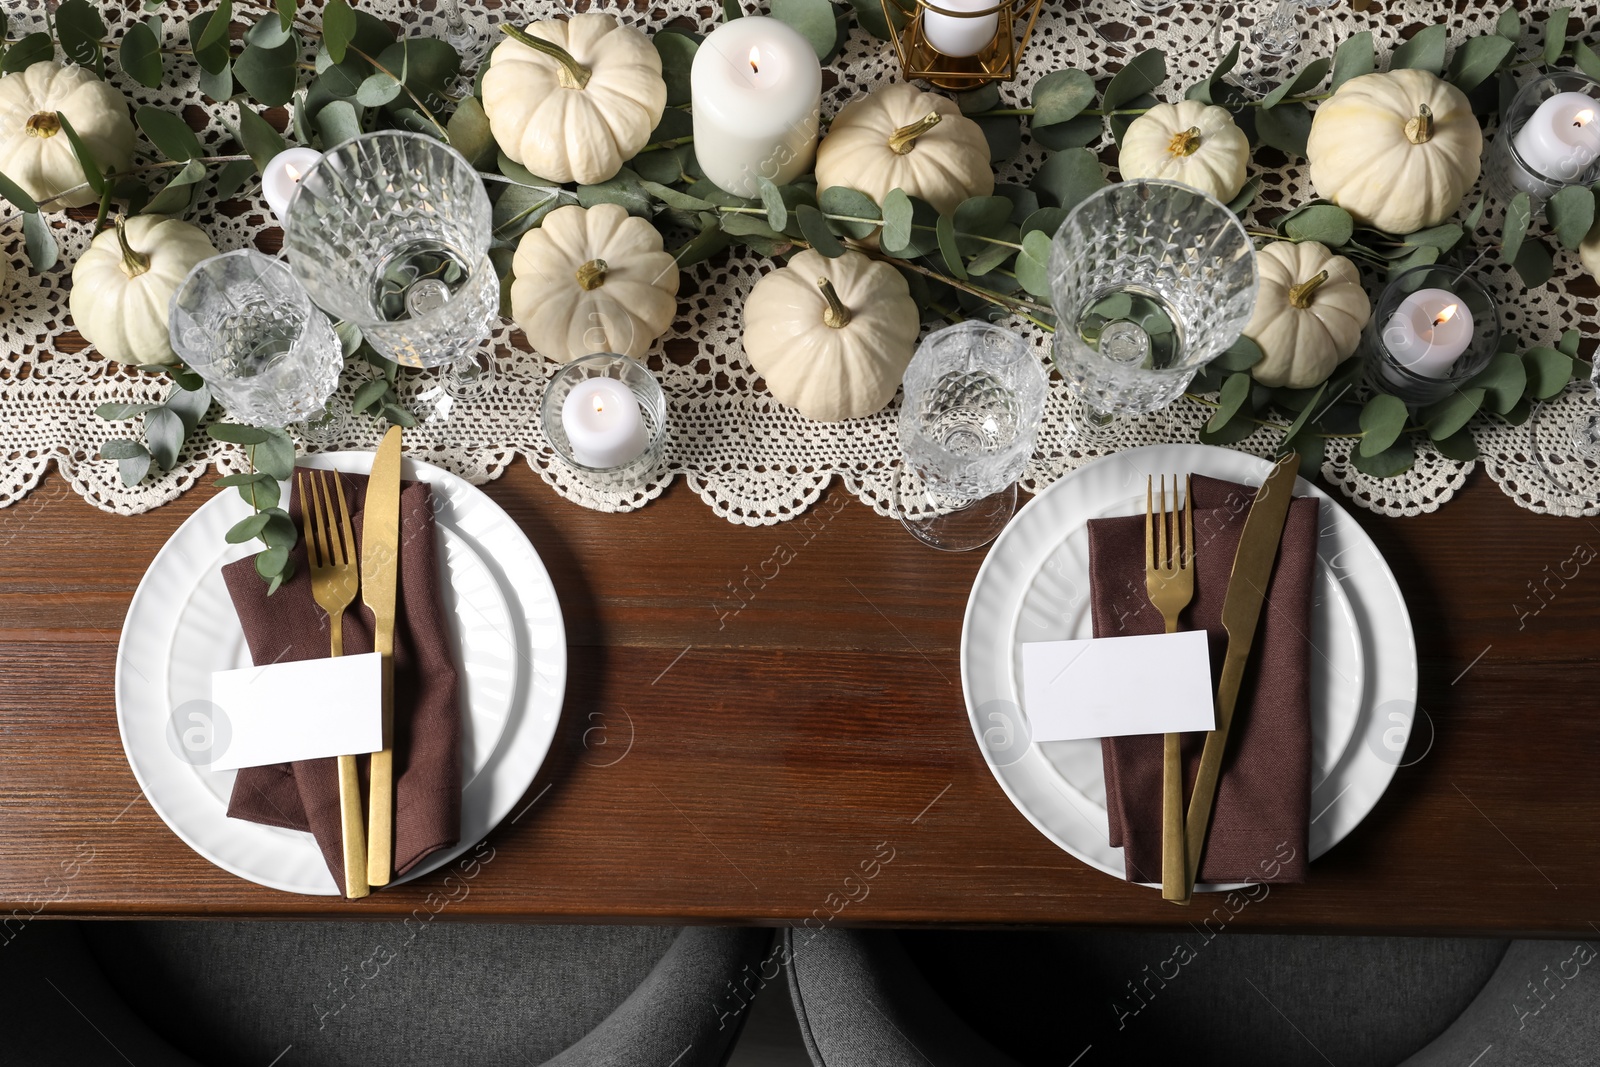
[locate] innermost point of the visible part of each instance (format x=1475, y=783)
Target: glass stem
x=1279, y=33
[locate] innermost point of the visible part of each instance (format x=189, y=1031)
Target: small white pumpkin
x=593, y=280
x=1191, y=142
x=122, y=286
x=1397, y=150
x=1310, y=308
x=35, y=152
x=900, y=137
x=832, y=337
x=572, y=100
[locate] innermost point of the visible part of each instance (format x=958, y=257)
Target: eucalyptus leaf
x=772, y=201
x=1534, y=263
x=164, y=433
x=1061, y=96
x=370, y=395
x=279, y=531
x=1328, y=224
x=268, y=74
x=399, y=415
x=210, y=49
x=268, y=32
x=1230, y=400
x=1207, y=89
x=1352, y=59
x=817, y=234
x=1555, y=35
x=469, y=133
x=271, y=562
x=847, y=205
x=1307, y=411
x=1243, y=354
x=1571, y=213
x=1503, y=381
x=1519, y=214
x=1285, y=128
x=338, y=28
x=378, y=89
x=1548, y=372
x=993, y=255
x=677, y=58
x=1570, y=340
x=1068, y=178
x=751, y=226
x=1004, y=134
x=1476, y=60
x=34, y=48
x=261, y=142
x=122, y=448
x=979, y=217
x=1310, y=76
x=1046, y=220
x=1076, y=133
x=731, y=10
x=1397, y=459
x=341, y=81
x=1242, y=425
x=215, y=29
x=217, y=86
x=1142, y=74
x=232, y=177
x=80, y=28
x=234, y=481
x=91, y=166
x=625, y=189
x=169, y=133
x=237, y=433
x=117, y=411
x=177, y=196
x=133, y=469
x=1586, y=60
x=139, y=55
x=286, y=11
x=14, y=193
x=1383, y=420
x=1415, y=258
x=812, y=19
x=1444, y=237
x=948, y=247
x=1459, y=446
x=1450, y=415
x=338, y=122
x=898, y=218
x=871, y=17
x=426, y=66
x=1423, y=51
x=40, y=242
x=1509, y=25
x=1120, y=123
x=519, y=208
x=977, y=101
x=1246, y=195
x=673, y=198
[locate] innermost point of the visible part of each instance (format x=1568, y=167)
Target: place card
x=1111, y=686
x=307, y=709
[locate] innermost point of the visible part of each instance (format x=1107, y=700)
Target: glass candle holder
x=1432, y=329
x=390, y=231
x=242, y=323
x=577, y=412
x=1549, y=138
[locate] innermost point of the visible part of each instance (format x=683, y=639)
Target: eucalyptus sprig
x=271, y=457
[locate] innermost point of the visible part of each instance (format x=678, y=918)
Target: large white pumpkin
x=593, y=280
x=581, y=124
x=832, y=337
x=1310, y=309
x=120, y=295
x=35, y=152
x=1189, y=142
x=1397, y=150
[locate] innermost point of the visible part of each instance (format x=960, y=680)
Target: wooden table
x=755, y=716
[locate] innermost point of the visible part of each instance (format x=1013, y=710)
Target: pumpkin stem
x=592, y=275
x=44, y=124
x=1420, y=128
x=1300, y=295
x=133, y=263
x=838, y=316
x=1185, y=143
x=904, y=139
x=573, y=75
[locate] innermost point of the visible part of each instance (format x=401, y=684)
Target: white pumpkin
x=1589, y=250
x=593, y=280
x=1397, y=150
x=1189, y=142
x=1310, y=308
x=902, y=138
x=35, y=152
x=123, y=283
x=576, y=115
x=832, y=337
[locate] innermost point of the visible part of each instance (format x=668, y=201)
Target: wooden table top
x=728, y=759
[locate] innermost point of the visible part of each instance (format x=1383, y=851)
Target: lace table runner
x=747, y=457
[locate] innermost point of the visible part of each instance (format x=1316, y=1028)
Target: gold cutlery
x=1241, y=610
x=380, y=569
x=1169, y=582
x=331, y=550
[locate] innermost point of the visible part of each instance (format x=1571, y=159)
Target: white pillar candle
x=282, y=175
x=1429, y=332
x=757, y=101
x=1562, y=137
x=604, y=426
x=956, y=36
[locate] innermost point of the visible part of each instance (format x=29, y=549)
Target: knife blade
x=380, y=574
x=1241, y=610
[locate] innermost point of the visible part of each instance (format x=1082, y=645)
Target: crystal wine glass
x=1151, y=280
x=390, y=231
x=974, y=395
x=242, y=323
x=468, y=33
x=1268, y=57
x=1564, y=440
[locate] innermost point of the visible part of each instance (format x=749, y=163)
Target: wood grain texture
x=755, y=716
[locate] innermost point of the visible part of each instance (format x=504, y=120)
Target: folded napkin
x=1259, y=825
x=427, y=712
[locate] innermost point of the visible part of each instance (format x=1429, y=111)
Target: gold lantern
x=930, y=26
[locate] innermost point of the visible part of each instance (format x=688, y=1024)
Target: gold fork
x=1169, y=581
x=335, y=577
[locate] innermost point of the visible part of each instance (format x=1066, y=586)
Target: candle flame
x=755, y=60
x=1583, y=118
x=599, y=404
x=294, y=171
x=1446, y=315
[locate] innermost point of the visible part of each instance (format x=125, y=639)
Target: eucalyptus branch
x=1307, y=430
x=1020, y=112
x=674, y=142
x=733, y=210
x=415, y=99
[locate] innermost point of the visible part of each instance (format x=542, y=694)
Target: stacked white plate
x=1034, y=586
x=509, y=640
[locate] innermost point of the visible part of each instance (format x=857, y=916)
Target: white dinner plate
x=507, y=634
x=1034, y=586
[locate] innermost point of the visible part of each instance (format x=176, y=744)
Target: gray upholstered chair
x=304, y=994
x=951, y=999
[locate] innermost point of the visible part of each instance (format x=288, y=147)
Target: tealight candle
x=757, y=102
x=282, y=175
x=1429, y=332
x=956, y=36
x=603, y=423
x=1562, y=137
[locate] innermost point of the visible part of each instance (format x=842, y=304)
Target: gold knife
x=1241, y=610
x=380, y=571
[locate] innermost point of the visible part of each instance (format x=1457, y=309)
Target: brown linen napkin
x=1260, y=822
x=427, y=711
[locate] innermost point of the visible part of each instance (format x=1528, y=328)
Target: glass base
x=951, y=524
x=466, y=381
x=1564, y=438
